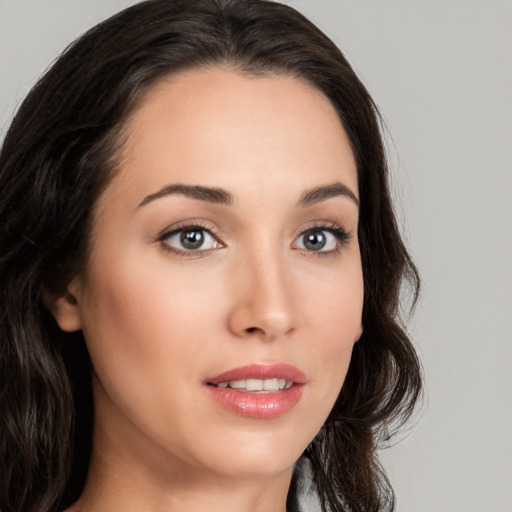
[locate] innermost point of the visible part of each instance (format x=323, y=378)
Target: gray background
x=441, y=71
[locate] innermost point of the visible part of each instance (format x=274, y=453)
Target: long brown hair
x=57, y=157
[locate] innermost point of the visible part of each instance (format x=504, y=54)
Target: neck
x=138, y=496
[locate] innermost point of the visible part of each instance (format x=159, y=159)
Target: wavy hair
x=60, y=153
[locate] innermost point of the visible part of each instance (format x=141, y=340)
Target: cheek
x=343, y=315
x=336, y=326
x=336, y=310
x=144, y=335
x=147, y=321
x=334, y=315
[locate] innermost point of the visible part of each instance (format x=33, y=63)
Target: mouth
x=256, y=385
x=258, y=391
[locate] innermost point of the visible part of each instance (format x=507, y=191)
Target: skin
x=158, y=324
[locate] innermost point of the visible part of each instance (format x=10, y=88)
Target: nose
x=263, y=305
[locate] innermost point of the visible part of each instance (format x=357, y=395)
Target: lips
x=258, y=391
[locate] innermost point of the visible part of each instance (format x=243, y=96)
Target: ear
x=64, y=306
x=360, y=334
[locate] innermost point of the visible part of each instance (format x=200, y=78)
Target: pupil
x=314, y=240
x=192, y=239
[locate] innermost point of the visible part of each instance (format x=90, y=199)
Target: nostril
x=252, y=330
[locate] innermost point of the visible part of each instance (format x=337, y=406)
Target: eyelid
x=322, y=225
x=341, y=234
x=189, y=224
x=183, y=225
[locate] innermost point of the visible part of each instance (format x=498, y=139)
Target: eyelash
x=342, y=238
x=194, y=226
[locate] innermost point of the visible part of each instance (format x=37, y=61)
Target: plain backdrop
x=441, y=72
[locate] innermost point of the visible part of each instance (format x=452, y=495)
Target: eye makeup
x=321, y=239
x=195, y=238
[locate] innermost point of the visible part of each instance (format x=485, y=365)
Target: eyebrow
x=220, y=196
x=210, y=194
x=319, y=194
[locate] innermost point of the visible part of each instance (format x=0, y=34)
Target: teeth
x=271, y=384
x=257, y=384
x=237, y=384
x=254, y=385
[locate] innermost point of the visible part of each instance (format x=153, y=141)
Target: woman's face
x=224, y=267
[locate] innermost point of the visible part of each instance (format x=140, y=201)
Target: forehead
x=218, y=127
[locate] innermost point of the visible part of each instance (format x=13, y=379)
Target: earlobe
x=360, y=334
x=65, y=307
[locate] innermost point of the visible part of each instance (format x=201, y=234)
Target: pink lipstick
x=261, y=391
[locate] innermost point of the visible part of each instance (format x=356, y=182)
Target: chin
x=259, y=455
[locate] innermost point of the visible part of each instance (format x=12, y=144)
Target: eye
x=319, y=239
x=190, y=239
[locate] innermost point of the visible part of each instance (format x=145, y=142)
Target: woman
x=196, y=228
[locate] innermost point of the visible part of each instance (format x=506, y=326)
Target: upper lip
x=261, y=371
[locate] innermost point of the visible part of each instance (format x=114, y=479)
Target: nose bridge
x=264, y=301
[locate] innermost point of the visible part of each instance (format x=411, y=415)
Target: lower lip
x=257, y=405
